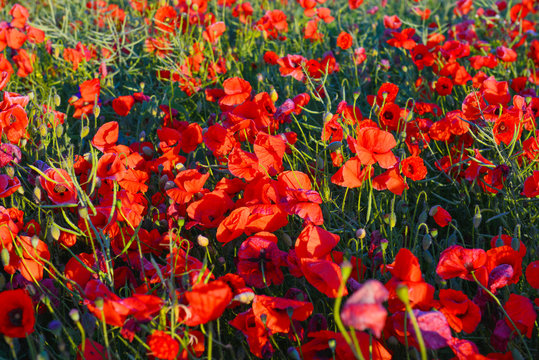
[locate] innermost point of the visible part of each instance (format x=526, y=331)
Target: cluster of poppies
x=232, y=237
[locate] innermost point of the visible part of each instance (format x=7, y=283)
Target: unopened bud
x=97, y=110
x=57, y=100
x=74, y=315
x=169, y=185
x=148, y=151
x=477, y=217
x=83, y=212
x=346, y=269
x=34, y=241
x=99, y=303
x=426, y=242
x=515, y=244
x=361, y=233
x=333, y=146
x=5, y=256
x=287, y=240
x=202, y=240
x=273, y=95
x=55, y=232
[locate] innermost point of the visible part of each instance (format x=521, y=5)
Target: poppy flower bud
x=327, y=117
x=83, y=212
x=170, y=185
x=390, y=219
x=180, y=167
x=426, y=242
x=477, y=218
x=422, y=217
x=99, y=303
x=202, y=240
x=361, y=233
x=84, y=131
x=333, y=146
x=499, y=242
x=37, y=194
x=384, y=244
x=515, y=243
x=97, y=110
x=245, y=297
x=20, y=190
x=287, y=240
x=74, y=315
x=57, y=100
x=55, y=232
x=5, y=256
x=34, y=241
x=195, y=7
x=402, y=293
x=293, y=353
x=59, y=130
x=148, y=151
x=43, y=130
x=273, y=95
x=434, y=233
x=332, y=343
x=31, y=96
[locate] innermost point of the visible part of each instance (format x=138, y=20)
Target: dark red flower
x=16, y=313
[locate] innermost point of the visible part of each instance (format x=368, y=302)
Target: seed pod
x=55, y=232
x=4, y=254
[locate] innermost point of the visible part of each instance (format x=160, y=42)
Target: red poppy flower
x=504, y=255
x=207, y=302
x=403, y=39
x=256, y=333
x=520, y=309
x=434, y=329
x=13, y=122
x=531, y=185
x=77, y=272
x=390, y=180
x=8, y=185
x=233, y=226
x=122, y=105
x=374, y=146
x=506, y=54
x=113, y=311
x=324, y=275
x=16, y=313
x=457, y=261
x=532, y=274
x=414, y=168
x=364, y=310
x=214, y=31
x=269, y=151
x=162, y=345
x=440, y=215
x=260, y=261
x=165, y=19
x=352, y=174
x=243, y=164
x=59, y=186
x=345, y=40
x=315, y=242
x=392, y=22
x=276, y=311
x=444, y=86
x=462, y=314
x=354, y=4
x=106, y=136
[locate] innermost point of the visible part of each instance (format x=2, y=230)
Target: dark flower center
x=60, y=189
x=419, y=57
x=15, y=317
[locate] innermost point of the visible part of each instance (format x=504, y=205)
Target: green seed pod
x=74, y=315
x=477, y=217
x=57, y=100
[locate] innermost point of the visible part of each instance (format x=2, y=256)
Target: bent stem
x=504, y=313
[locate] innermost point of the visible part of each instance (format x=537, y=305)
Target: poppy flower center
x=15, y=317
x=388, y=115
x=419, y=57
x=502, y=127
x=12, y=119
x=60, y=189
